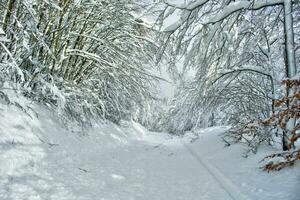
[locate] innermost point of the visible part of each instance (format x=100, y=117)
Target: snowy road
x=220, y=179
x=45, y=161
x=141, y=171
x=155, y=168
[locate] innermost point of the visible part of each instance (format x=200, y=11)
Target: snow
x=225, y=12
x=42, y=159
x=174, y=21
x=188, y=6
x=2, y=31
x=239, y=5
x=244, y=172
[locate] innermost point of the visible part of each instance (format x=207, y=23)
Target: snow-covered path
x=140, y=170
x=42, y=160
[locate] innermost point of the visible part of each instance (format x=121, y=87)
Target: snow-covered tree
x=90, y=59
x=240, y=50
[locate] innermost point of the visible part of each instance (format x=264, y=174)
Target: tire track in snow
x=226, y=184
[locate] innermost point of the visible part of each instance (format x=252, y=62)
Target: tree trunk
x=291, y=69
x=289, y=39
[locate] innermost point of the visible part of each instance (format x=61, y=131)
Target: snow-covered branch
x=240, y=5
x=221, y=14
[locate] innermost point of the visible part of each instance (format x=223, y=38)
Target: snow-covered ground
x=41, y=159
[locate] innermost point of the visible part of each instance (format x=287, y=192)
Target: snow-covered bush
x=86, y=58
x=153, y=114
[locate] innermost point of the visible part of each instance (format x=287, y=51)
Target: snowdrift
x=42, y=159
x=31, y=144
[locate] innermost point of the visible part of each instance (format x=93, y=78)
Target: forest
x=90, y=63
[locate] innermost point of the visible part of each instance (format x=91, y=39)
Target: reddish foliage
x=288, y=108
x=291, y=83
x=289, y=159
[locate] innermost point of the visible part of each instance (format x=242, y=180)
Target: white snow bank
x=43, y=160
x=243, y=173
x=35, y=149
